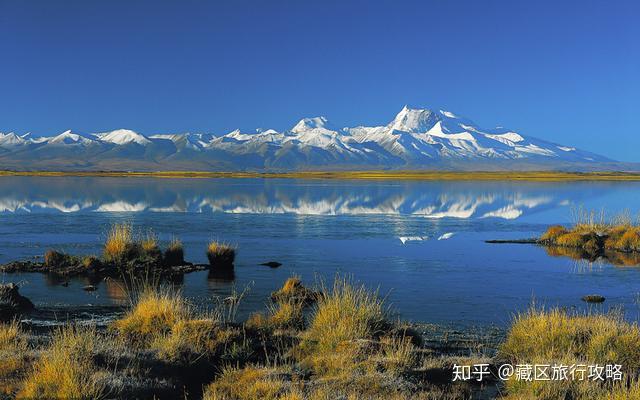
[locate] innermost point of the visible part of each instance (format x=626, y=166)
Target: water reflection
x=617, y=258
x=435, y=200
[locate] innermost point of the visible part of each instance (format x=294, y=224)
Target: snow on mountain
x=68, y=137
x=123, y=136
x=414, y=138
x=9, y=140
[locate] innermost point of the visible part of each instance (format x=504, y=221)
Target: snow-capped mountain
x=414, y=139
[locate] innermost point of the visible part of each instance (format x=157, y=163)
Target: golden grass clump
x=592, y=234
x=571, y=239
x=552, y=233
x=149, y=242
x=629, y=240
x=556, y=337
x=189, y=339
x=13, y=346
x=294, y=291
x=347, y=313
x=249, y=383
x=285, y=315
x=154, y=314
x=221, y=255
x=66, y=369
x=163, y=321
x=120, y=243
x=342, y=329
x=174, y=253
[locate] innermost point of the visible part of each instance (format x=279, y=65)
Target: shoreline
x=427, y=175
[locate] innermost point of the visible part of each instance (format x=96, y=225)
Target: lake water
x=420, y=243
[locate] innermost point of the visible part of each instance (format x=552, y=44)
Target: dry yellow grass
x=250, y=383
x=119, y=242
x=66, y=369
x=13, y=346
x=343, y=330
x=220, y=254
x=347, y=313
x=555, y=337
x=162, y=320
x=154, y=314
x=294, y=291
x=553, y=233
x=149, y=242
x=554, y=334
x=174, y=253
x=593, y=234
x=283, y=315
x=190, y=339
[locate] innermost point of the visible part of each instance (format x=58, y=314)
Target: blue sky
x=563, y=72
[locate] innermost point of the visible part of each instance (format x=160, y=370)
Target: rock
x=593, y=298
x=12, y=303
x=272, y=264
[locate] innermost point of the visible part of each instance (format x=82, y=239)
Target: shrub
x=221, y=255
x=66, y=369
x=174, y=254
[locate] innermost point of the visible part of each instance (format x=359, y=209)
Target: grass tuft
x=221, y=255
x=120, y=244
x=66, y=370
x=174, y=253
x=294, y=291
x=250, y=383
x=154, y=314
x=556, y=337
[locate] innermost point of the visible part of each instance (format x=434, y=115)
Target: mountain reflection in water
x=462, y=200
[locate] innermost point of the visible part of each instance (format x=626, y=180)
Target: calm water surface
x=420, y=243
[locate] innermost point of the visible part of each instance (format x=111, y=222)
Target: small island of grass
x=591, y=239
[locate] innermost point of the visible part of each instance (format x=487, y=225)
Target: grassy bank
x=344, y=346
x=548, y=176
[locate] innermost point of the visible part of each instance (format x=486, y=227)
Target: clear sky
x=563, y=71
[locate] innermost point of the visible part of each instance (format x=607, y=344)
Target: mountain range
x=414, y=139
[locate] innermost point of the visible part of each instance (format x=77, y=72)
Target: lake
x=420, y=243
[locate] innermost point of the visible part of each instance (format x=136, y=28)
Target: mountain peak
x=307, y=124
x=414, y=120
x=123, y=136
x=66, y=137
